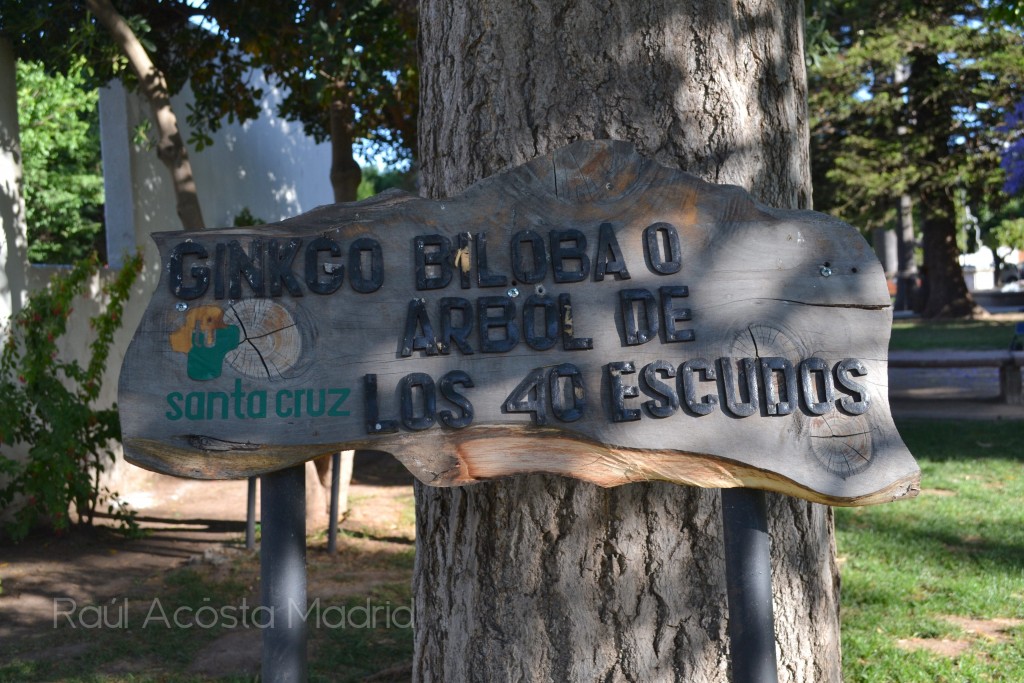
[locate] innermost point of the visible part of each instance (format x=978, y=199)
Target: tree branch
x=170, y=148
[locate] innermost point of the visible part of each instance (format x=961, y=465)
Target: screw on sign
x=535, y=323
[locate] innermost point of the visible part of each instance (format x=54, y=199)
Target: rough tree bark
x=544, y=578
x=170, y=146
x=946, y=290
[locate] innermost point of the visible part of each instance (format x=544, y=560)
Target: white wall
x=268, y=165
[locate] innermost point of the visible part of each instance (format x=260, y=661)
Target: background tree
x=63, y=178
x=1003, y=228
x=376, y=181
x=170, y=148
x=909, y=100
x=545, y=578
x=348, y=69
x=60, y=35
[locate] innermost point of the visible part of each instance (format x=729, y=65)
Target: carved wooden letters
x=590, y=313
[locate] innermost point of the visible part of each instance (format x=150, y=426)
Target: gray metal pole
x=332, y=530
x=250, y=516
x=748, y=578
x=283, y=574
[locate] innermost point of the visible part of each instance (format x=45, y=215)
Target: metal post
x=250, y=516
x=332, y=530
x=283, y=574
x=748, y=577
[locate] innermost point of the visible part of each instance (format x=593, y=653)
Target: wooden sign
x=590, y=313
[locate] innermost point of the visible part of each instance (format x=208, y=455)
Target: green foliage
x=62, y=34
x=375, y=181
x=356, y=58
x=1010, y=233
x=1010, y=12
x=348, y=69
x=244, y=219
x=909, y=99
x=63, y=178
x=47, y=405
x=1006, y=226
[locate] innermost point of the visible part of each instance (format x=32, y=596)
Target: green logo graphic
x=206, y=362
x=206, y=339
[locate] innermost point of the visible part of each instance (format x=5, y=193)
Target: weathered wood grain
x=210, y=382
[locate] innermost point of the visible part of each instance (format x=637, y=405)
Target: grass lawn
x=917, y=335
x=943, y=573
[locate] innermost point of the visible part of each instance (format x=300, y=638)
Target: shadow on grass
x=947, y=440
x=921, y=542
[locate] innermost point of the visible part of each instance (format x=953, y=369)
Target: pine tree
x=911, y=100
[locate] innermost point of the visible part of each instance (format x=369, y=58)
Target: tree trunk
x=906, y=281
x=318, y=504
x=907, y=291
x=947, y=295
x=944, y=290
x=544, y=578
x=170, y=147
x=345, y=172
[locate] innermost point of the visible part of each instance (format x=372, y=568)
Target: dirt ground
x=187, y=523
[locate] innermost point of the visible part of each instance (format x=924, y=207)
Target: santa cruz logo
x=205, y=338
x=258, y=340
x=256, y=337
